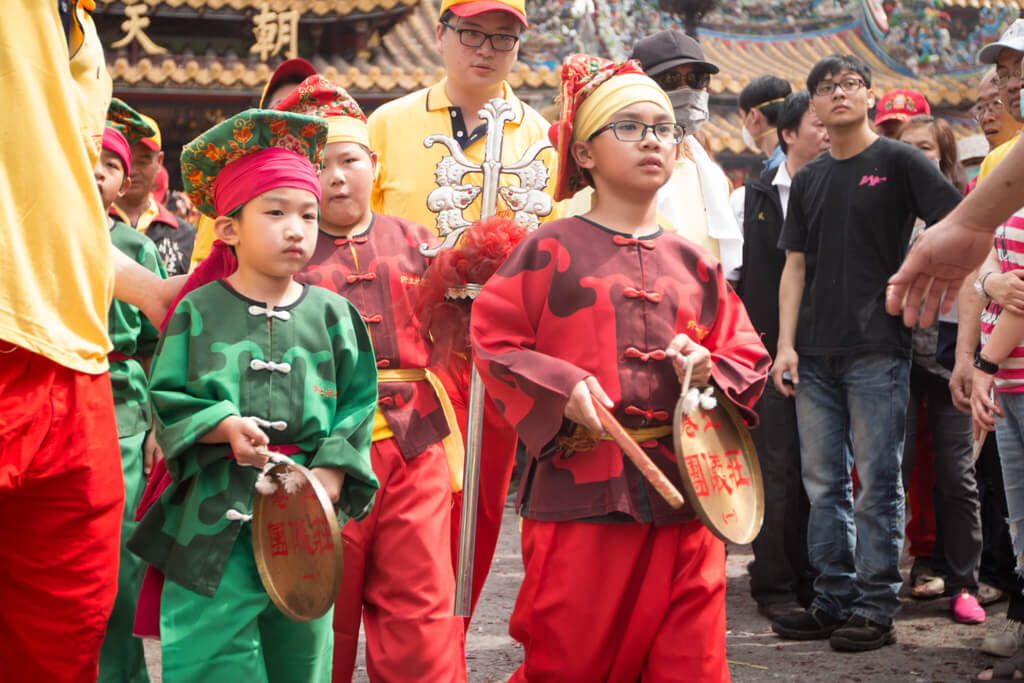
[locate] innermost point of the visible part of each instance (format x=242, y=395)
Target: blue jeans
x=1010, y=438
x=854, y=545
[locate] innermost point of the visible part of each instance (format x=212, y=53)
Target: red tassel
x=484, y=246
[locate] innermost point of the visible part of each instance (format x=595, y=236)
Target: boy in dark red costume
x=398, y=571
x=618, y=585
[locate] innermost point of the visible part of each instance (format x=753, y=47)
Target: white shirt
x=782, y=181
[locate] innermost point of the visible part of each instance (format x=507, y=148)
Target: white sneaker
x=1007, y=642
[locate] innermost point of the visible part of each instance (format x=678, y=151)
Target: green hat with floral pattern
x=250, y=153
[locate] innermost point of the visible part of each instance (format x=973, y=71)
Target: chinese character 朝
x=275, y=31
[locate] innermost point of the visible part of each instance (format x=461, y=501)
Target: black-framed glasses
x=848, y=85
x=635, y=131
x=674, y=80
x=501, y=42
x=1003, y=77
x=993, y=107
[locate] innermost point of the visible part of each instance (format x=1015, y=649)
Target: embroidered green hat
x=125, y=127
x=251, y=153
x=128, y=122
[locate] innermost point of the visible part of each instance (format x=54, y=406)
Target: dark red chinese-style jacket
x=577, y=299
x=379, y=271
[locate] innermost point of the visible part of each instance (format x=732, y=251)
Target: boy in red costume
x=618, y=585
x=398, y=571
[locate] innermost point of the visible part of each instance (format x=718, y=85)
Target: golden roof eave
x=318, y=7
x=977, y=4
x=168, y=72
x=407, y=60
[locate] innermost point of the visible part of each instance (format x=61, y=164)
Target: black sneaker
x=860, y=634
x=773, y=610
x=812, y=624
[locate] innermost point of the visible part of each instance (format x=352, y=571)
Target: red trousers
x=621, y=602
x=61, y=497
x=498, y=450
x=398, y=576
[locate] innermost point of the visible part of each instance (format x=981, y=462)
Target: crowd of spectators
x=561, y=27
x=928, y=37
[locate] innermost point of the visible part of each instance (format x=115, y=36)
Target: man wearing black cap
x=696, y=199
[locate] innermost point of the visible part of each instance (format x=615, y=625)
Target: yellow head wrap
x=347, y=129
x=614, y=94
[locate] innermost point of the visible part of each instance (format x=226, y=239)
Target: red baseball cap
x=471, y=8
x=296, y=68
x=900, y=105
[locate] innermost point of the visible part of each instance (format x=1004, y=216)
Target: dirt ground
x=930, y=647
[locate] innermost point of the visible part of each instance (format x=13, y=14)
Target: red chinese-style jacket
x=379, y=271
x=577, y=299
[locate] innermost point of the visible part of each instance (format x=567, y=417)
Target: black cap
x=669, y=48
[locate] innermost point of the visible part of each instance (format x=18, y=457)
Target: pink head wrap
x=114, y=141
x=237, y=183
x=259, y=172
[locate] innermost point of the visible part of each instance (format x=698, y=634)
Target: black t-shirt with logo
x=852, y=219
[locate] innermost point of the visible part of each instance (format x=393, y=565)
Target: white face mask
x=748, y=139
x=691, y=108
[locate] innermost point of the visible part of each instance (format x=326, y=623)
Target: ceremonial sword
x=528, y=203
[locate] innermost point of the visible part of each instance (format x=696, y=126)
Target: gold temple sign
x=275, y=31
x=134, y=27
x=720, y=471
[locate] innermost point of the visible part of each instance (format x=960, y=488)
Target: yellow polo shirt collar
x=437, y=99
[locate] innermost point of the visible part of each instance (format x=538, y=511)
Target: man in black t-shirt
x=851, y=212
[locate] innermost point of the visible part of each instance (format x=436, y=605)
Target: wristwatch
x=986, y=366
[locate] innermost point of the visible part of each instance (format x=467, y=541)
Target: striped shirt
x=1009, y=245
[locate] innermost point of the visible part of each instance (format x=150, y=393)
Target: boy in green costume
x=249, y=361
x=122, y=659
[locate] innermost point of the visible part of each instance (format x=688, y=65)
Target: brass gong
x=720, y=471
x=297, y=541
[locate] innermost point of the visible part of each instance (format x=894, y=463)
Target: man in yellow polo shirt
x=479, y=42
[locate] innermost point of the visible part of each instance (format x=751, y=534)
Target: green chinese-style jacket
x=133, y=337
x=306, y=372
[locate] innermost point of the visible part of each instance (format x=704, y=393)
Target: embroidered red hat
x=581, y=76
x=900, y=105
x=317, y=96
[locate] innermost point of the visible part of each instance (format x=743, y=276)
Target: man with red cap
x=479, y=42
x=895, y=107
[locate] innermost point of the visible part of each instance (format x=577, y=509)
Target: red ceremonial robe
x=398, y=574
x=576, y=299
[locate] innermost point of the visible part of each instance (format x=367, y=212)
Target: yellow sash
x=454, y=446
x=582, y=439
